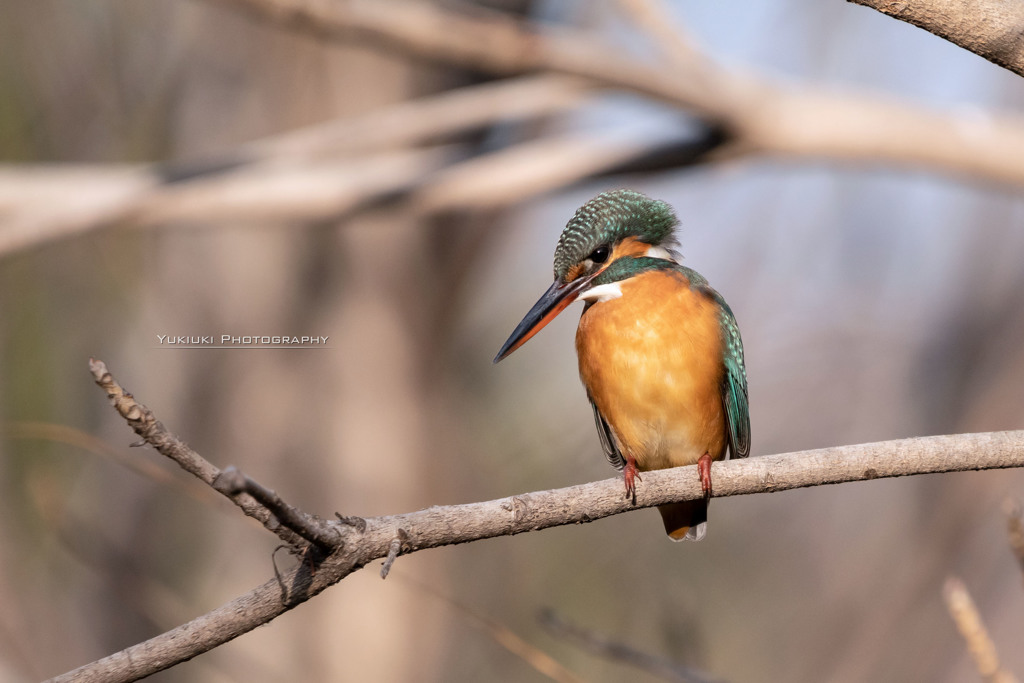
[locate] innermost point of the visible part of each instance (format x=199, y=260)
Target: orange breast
x=651, y=361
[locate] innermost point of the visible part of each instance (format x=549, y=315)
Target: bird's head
x=611, y=227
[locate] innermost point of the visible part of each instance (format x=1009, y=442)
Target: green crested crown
x=608, y=218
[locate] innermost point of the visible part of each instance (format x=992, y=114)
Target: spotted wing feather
x=734, y=386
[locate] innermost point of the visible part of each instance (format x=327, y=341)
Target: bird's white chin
x=602, y=292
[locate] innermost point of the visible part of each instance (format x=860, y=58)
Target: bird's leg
x=632, y=475
x=704, y=471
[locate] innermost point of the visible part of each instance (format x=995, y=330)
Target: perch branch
x=452, y=524
x=988, y=28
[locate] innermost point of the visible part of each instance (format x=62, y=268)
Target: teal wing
x=608, y=444
x=734, y=380
x=734, y=385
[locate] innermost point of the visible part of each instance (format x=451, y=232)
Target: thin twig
x=393, y=550
x=616, y=651
x=66, y=434
x=968, y=621
x=504, y=636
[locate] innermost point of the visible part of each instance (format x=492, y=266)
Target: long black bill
x=553, y=302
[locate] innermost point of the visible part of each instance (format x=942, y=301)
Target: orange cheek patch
x=574, y=272
x=630, y=246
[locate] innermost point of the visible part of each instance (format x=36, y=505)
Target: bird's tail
x=686, y=521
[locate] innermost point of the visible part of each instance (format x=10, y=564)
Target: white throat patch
x=602, y=292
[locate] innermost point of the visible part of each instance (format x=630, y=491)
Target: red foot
x=631, y=473
x=704, y=471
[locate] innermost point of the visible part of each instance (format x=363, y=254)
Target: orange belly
x=651, y=361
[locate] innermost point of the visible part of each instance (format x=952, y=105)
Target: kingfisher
x=659, y=350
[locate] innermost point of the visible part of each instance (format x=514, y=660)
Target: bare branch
x=972, y=628
x=989, y=28
x=502, y=635
x=453, y=524
x=527, y=169
x=424, y=119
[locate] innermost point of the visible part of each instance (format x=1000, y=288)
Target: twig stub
x=397, y=543
x=357, y=523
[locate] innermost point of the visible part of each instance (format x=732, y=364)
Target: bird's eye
x=599, y=255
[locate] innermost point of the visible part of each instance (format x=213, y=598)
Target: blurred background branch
x=615, y=651
x=971, y=626
x=326, y=171
x=1015, y=529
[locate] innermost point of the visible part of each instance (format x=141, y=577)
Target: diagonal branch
x=616, y=651
x=971, y=626
x=452, y=524
x=989, y=28
x=309, y=173
x=144, y=423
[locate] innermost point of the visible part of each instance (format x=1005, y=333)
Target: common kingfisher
x=659, y=350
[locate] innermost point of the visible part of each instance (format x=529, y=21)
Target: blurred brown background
x=875, y=303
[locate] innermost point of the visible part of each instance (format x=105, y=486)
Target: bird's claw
x=631, y=475
x=704, y=472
